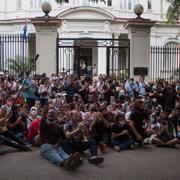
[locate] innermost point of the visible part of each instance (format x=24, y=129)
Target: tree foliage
x=20, y=64
x=173, y=13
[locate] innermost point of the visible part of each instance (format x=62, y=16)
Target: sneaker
x=117, y=148
x=146, y=141
x=131, y=147
x=95, y=160
x=77, y=160
x=68, y=163
x=103, y=147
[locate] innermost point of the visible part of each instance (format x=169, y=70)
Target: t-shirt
x=71, y=126
x=138, y=119
x=116, y=128
x=34, y=129
x=51, y=133
x=29, y=93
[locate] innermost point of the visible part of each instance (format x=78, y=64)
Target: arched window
x=149, y=4
x=171, y=56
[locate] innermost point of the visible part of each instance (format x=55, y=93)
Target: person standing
x=29, y=89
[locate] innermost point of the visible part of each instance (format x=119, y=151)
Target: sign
x=140, y=71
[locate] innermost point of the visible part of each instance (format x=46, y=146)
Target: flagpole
x=25, y=39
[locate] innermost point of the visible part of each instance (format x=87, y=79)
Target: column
x=46, y=35
x=139, y=35
x=101, y=60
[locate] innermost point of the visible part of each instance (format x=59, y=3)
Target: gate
x=84, y=55
x=17, y=53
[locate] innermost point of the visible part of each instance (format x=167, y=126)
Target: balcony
x=89, y=3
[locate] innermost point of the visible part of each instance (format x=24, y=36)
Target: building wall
x=12, y=18
x=81, y=18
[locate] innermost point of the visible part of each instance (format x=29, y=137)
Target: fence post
x=46, y=36
x=139, y=35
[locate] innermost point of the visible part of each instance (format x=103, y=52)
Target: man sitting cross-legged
x=77, y=134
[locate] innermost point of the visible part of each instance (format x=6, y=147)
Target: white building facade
x=85, y=19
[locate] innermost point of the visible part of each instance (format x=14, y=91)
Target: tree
x=20, y=64
x=173, y=13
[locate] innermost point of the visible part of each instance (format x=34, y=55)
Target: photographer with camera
x=7, y=137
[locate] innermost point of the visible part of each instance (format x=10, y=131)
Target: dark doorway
x=86, y=61
x=79, y=56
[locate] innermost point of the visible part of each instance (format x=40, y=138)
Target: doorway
x=86, y=55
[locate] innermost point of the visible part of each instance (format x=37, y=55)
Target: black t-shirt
x=51, y=133
x=138, y=119
x=118, y=129
x=99, y=128
x=17, y=128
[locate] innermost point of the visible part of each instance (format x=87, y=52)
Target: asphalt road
x=144, y=163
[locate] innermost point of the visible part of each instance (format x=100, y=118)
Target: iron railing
x=17, y=53
x=70, y=52
x=165, y=63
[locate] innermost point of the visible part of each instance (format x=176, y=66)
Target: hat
x=33, y=109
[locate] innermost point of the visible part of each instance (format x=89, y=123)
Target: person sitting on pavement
x=166, y=137
x=51, y=137
x=33, y=127
x=17, y=122
x=120, y=137
x=136, y=122
x=100, y=130
x=77, y=134
x=33, y=115
x=8, y=138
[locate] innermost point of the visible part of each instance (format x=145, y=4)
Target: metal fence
x=72, y=53
x=17, y=53
x=165, y=63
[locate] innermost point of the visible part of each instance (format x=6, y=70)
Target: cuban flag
x=25, y=34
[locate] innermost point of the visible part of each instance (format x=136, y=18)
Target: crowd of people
x=66, y=116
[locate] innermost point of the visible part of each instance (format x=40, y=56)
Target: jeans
x=7, y=142
x=123, y=144
x=80, y=146
x=55, y=156
x=11, y=136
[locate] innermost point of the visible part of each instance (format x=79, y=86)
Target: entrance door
x=86, y=61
